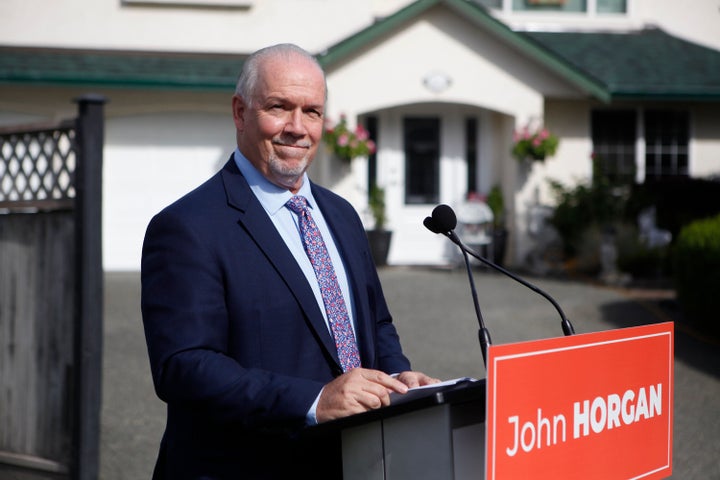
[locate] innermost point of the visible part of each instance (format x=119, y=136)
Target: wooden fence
x=51, y=297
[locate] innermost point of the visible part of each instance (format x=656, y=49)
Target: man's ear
x=238, y=107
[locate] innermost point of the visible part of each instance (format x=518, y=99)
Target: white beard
x=288, y=175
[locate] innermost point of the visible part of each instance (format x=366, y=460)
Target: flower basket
x=345, y=143
x=534, y=145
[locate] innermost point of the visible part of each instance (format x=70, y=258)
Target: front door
x=421, y=162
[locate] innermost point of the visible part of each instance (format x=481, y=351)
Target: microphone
x=444, y=221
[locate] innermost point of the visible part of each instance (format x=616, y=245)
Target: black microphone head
x=443, y=218
x=430, y=225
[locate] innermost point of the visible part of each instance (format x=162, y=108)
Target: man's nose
x=295, y=123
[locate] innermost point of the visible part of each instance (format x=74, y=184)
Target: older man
x=262, y=307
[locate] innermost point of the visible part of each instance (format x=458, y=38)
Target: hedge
x=697, y=273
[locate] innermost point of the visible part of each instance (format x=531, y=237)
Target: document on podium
x=424, y=390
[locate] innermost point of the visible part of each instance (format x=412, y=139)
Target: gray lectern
x=435, y=434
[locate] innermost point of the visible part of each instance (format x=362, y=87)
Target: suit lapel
x=253, y=218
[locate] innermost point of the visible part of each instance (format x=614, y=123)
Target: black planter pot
x=379, y=245
x=500, y=237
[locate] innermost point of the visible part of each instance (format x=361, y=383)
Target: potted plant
x=345, y=143
x=378, y=237
x=529, y=145
x=496, y=203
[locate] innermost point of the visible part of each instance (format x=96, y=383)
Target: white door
x=421, y=163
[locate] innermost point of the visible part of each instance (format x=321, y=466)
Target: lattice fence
x=37, y=166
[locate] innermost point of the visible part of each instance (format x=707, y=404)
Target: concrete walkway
x=434, y=314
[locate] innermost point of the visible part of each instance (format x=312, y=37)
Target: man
x=247, y=347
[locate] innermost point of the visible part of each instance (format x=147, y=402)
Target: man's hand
x=356, y=391
x=416, y=379
x=362, y=389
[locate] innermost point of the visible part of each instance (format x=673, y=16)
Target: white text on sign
x=603, y=412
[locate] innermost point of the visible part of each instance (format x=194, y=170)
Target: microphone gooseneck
x=443, y=221
x=444, y=217
x=565, y=323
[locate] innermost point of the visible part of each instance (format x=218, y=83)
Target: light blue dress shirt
x=273, y=199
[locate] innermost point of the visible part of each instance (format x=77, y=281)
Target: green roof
x=648, y=64
x=129, y=69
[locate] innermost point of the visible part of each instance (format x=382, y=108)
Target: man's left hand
x=416, y=379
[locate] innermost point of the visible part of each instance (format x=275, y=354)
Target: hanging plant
x=534, y=145
x=345, y=143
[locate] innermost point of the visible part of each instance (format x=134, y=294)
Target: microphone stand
x=566, y=325
x=483, y=332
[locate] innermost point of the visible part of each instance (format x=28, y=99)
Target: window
x=422, y=160
x=666, y=137
x=611, y=6
x=550, y=5
x=471, y=153
x=667, y=134
x=613, y=137
x=566, y=6
x=371, y=124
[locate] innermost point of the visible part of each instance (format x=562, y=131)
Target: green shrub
x=598, y=204
x=697, y=272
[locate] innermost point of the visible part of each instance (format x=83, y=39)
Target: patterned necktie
x=335, y=307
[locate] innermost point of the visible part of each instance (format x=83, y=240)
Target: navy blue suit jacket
x=238, y=346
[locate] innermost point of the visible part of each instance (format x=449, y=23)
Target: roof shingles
x=647, y=63
x=118, y=69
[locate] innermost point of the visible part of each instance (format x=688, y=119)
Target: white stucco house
x=441, y=84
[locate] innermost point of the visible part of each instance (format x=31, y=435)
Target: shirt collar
x=271, y=197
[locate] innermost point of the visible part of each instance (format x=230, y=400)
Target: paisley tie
x=333, y=300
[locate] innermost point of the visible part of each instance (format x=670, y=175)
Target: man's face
x=280, y=130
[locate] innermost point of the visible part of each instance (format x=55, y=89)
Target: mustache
x=289, y=142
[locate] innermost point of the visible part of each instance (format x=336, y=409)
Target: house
x=441, y=84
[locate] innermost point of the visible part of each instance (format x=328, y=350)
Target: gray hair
x=247, y=81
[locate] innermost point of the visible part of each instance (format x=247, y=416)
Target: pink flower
x=343, y=140
x=361, y=133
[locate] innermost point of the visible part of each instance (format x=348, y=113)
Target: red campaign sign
x=589, y=406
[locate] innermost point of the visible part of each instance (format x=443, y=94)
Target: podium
x=550, y=408
x=429, y=433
